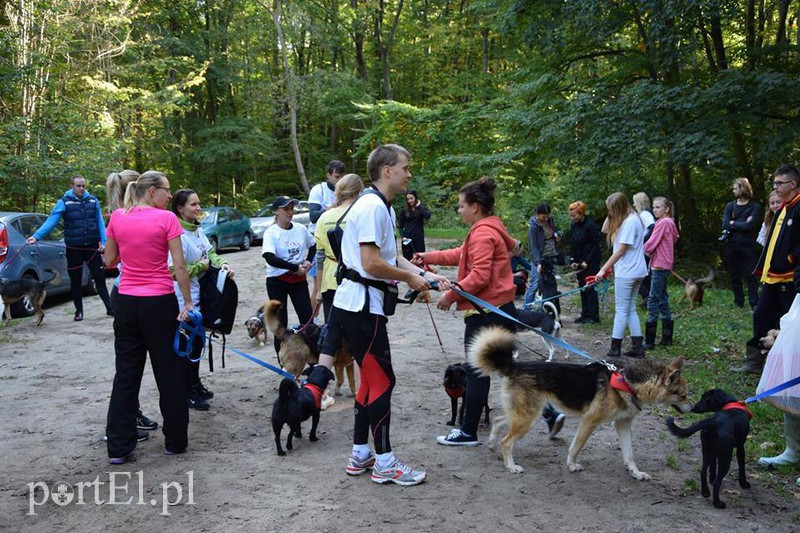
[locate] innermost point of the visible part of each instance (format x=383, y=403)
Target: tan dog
x=14, y=290
x=589, y=392
x=694, y=289
x=768, y=341
x=300, y=349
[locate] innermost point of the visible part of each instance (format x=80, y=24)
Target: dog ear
x=673, y=371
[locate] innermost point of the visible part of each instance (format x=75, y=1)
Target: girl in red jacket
x=484, y=270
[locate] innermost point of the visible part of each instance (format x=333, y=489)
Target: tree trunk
x=358, y=41
x=290, y=89
x=383, y=44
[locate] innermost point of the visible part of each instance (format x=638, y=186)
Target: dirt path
x=56, y=380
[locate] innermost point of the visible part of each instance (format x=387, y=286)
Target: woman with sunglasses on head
x=142, y=235
x=199, y=256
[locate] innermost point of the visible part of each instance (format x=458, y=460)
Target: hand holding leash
x=601, y=275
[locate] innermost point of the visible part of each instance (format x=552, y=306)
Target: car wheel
x=214, y=243
x=24, y=307
x=246, y=241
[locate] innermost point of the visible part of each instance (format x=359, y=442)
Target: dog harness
x=316, y=392
x=454, y=392
x=737, y=405
x=619, y=383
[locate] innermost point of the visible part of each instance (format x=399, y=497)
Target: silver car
x=265, y=218
x=22, y=261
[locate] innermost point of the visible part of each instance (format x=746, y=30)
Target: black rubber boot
x=754, y=360
x=637, y=348
x=650, y=334
x=616, y=348
x=666, y=332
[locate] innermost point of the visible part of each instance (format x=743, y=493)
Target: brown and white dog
x=299, y=349
x=14, y=290
x=694, y=289
x=591, y=392
x=256, y=328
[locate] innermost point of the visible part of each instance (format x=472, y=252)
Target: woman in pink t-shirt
x=661, y=249
x=141, y=236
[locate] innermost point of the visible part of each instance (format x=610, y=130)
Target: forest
x=558, y=101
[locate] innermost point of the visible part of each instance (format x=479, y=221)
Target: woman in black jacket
x=740, y=225
x=411, y=222
x=585, y=259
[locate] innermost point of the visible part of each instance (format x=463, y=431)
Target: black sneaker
x=554, y=423
x=142, y=435
x=202, y=391
x=196, y=402
x=142, y=422
x=458, y=438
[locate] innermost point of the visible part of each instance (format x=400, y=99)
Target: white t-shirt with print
x=195, y=246
x=369, y=221
x=631, y=264
x=321, y=194
x=288, y=244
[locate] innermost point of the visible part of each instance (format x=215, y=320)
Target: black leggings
x=298, y=292
x=369, y=343
x=76, y=257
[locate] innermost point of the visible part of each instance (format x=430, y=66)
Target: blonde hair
x=641, y=201
x=669, y=205
x=347, y=188
x=116, y=184
x=768, y=214
x=136, y=190
x=618, y=210
x=747, y=189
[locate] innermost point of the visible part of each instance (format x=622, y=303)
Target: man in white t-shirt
x=322, y=195
x=369, y=251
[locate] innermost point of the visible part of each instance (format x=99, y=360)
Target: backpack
x=218, y=307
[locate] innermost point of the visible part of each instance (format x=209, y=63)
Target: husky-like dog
x=592, y=392
x=548, y=320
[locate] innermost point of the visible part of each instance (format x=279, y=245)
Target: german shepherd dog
x=299, y=349
x=548, y=320
x=584, y=391
x=256, y=328
x=720, y=434
x=13, y=290
x=694, y=288
x=294, y=405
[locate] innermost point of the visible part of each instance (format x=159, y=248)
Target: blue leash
x=489, y=307
x=191, y=331
x=774, y=390
x=195, y=329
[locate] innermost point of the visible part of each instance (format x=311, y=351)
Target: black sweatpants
x=740, y=260
x=280, y=290
x=142, y=325
x=775, y=301
x=590, y=303
x=76, y=257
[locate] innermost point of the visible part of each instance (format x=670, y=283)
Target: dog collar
x=316, y=392
x=737, y=405
x=454, y=392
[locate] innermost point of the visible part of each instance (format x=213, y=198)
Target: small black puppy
x=296, y=404
x=455, y=385
x=728, y=428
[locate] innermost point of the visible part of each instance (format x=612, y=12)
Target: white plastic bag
x=783, y=363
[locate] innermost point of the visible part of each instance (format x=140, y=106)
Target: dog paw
x=575, y=467
x=744, y=484
x=313, y=438
x=451, y=423
x=337, y=392
x=515, y=469
x=282, y=453
x=298, y=435
x=351, y=394
x=641, y=476
x=719, y=504
x=705, y=492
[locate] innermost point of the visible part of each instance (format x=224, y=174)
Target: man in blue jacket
x=84, y=237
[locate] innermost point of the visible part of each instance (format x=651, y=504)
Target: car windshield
x=266, y=212
x=209, y=218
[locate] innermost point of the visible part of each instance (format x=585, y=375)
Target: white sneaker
x=397, y=472
x=326, y=402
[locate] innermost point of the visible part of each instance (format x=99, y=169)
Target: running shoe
x=398, y=473
x=142, y=422
x=356, y=466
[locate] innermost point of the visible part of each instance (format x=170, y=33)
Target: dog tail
x=271, y=308
x=691, y=430
x=709, y=277
x=287, y=389
x=56, y=279
x=492, y=351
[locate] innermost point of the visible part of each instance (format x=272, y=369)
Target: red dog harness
x=737, y=405
x=316, y=392
x=619, y=382
x=454, y=392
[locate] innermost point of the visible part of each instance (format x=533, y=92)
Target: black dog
x=13, y=290
x=296, y=404
x=455, y=385
x=720, y=433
